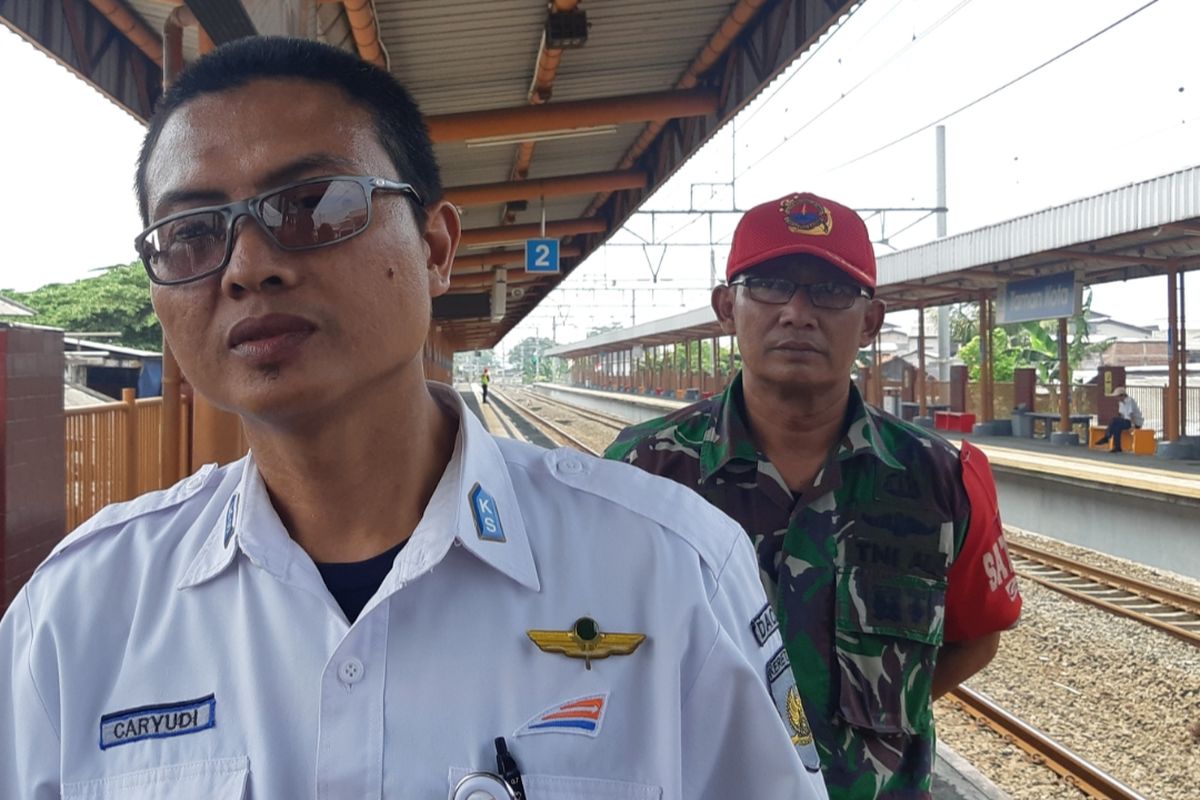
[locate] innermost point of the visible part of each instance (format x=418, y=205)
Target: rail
x=1172, y=612
x=608, y=420
x=544, y=424
x=1084, y=775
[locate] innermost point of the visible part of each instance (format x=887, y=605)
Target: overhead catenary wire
x=995, y=91
x=917, y=38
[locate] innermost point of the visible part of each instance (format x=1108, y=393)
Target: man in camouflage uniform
x=879, y=542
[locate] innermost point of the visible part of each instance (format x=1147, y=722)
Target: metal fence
x=113, y=454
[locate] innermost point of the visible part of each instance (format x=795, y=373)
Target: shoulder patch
x=782, y=684
x=764, y=624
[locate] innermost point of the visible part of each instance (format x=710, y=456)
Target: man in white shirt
x=1128, y=416
x=382, y=601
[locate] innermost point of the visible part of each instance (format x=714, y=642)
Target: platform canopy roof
x=523, y=114
x=1146, y=228
x=1143, y=229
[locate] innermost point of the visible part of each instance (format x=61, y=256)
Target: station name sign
x=1049, y=297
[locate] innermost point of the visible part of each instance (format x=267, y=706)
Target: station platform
x=1179, y=478
x=1137, y=507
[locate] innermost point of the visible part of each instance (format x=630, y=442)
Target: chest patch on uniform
x=487, y=518
x=787, y=702
x=764, y=624
x=581, y=715
x=157, y=722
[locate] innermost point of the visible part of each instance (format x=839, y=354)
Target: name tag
x=157, y=722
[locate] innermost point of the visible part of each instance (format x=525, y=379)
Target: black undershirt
x=353, y=584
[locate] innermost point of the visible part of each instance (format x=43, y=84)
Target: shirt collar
x=728, y=436
x=474, y=505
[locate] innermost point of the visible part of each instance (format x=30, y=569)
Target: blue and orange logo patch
x=581, y=715
x=804, y=215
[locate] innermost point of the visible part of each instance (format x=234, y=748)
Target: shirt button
x=571, y=466
x=351, y=671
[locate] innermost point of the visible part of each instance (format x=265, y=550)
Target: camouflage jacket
x=856, y=567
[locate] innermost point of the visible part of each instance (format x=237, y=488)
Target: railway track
x=1082, y=774
x=1153, y=605
x=1173, y=612
x=608, y=420
x=550, y=429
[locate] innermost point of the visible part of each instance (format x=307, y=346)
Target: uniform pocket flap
x=219, y=779
x=891, y=604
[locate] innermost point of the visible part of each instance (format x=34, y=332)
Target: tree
x=1035, y=344
x=117, y=300
x=599, y=329
x=527, y=361
x=1005, y=358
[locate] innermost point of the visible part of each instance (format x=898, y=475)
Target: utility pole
x=943, y=314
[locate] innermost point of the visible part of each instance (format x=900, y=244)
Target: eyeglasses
x=304, y=215
x=825, y=294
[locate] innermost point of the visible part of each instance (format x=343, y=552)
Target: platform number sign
x=541, y=255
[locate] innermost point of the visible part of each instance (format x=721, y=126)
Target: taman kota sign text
x=1049, y=297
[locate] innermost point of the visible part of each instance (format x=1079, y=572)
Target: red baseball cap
x=804, y=223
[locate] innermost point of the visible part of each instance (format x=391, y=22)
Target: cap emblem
x=805, y=215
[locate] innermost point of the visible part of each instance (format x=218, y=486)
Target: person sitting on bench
x=1128, y=416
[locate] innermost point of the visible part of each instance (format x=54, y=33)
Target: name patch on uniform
x=764, y=624
x=487, y=518
x=582, y=715
x=157, y=722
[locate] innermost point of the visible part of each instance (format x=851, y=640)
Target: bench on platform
x=1048, y=420
x=1139, y=441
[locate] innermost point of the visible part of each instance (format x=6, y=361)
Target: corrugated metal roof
x=461, y=56
x=11, y=308
x=1172, y=198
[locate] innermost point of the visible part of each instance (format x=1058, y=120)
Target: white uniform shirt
x=183, y=646
x=1128, y=408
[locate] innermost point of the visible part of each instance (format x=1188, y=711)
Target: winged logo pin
x=585, y=640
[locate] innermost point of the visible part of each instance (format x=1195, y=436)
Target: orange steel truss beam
x=361, y=16
x=585, y=183
x=516, y=233
x=532, y=120
x=131, y=27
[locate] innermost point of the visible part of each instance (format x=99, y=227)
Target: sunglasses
x=193, y=244
x=825, y=294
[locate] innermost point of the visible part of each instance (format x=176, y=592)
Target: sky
x=1120, y=108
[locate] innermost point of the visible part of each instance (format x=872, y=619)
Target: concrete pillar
x=1109, y=378
x=959, y=377
x=33, y=513
x=1024, y=387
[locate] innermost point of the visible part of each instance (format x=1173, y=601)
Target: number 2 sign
x=541, y=255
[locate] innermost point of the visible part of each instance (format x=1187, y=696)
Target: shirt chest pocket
x=219, y=779
x=889, y=628
x=559, y=787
